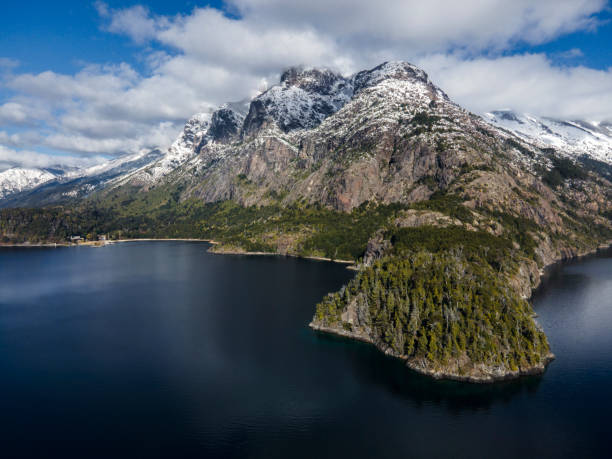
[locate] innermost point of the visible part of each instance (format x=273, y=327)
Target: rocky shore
x=480, y=374
x=461, y=369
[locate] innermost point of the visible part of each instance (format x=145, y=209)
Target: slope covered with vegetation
x=441, y=301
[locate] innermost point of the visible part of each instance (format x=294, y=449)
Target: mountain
x=37, y=187
x=572, y=138
x=448, y=218
x=385, y=135
x=304, y=98
x=311, y=119
x=40, y=187
x=20, y=179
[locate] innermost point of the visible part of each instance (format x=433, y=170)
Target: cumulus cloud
x=22, y=112
x=89, y=84
x=528, y=82
x=12, y=112
x=199, y=60
x=139, y=138
x=249, y=45
x=431, y=26
x=24, y=158
x=134, y=21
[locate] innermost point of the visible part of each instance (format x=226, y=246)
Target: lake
x=160, y=349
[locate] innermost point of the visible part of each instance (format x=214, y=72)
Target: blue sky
x=62, y=35
x=88, y=80
x=595, y=46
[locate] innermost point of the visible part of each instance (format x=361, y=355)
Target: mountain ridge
x=303, y=99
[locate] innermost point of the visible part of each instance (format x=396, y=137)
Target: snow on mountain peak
x=570, y=138
x=183, y=148
x=20, y=179
x=398, y=70
x=304, y=98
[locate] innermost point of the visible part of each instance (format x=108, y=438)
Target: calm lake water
x=159, y=349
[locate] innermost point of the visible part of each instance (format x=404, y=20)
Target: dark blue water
x=162, y=350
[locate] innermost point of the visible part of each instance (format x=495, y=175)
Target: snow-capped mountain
x=303, y=99
x=142, y=168
x=36, y=187
x=20, y=179
x=183, y=148
x=331, y=131
x=310, y=114
x=570, y=138
x=307, y=96
x=200, y=130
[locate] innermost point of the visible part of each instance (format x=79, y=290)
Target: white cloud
x=90, y=84
x=428, y=26
x=143, y=138
x=12, y=112
x=528, y=82
x=248, y=46
x=570, y=54
x=22, y=112
x=134, y=22
x=25, y=158
x=8, y=63
x=205, y=58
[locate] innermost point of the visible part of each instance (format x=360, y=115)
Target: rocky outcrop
x=460, y=369
x=304, y=98
x=225, y=125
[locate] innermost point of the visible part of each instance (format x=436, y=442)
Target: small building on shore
x=75, y=238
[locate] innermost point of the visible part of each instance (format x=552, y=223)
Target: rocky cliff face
x=321, y=137
x=386, y=135
x=303, y=99
x=226, y=123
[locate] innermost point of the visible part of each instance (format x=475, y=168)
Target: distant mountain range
x=571, y=138
x=44, y=186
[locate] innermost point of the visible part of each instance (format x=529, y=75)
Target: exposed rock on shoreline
x=460, y=367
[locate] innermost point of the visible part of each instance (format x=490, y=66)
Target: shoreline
x=413, y=365
x=235, y=251
x=350, y=264
x=440, y=375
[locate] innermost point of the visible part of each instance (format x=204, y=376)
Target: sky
x=83, y=81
